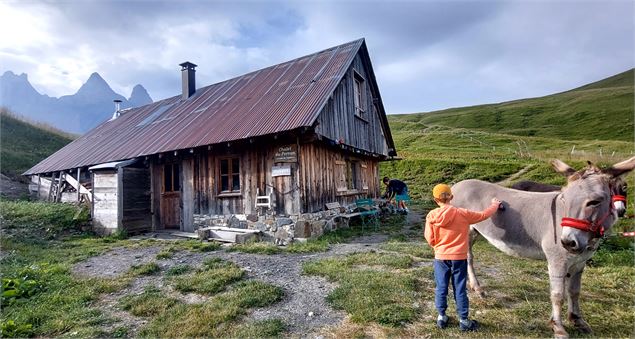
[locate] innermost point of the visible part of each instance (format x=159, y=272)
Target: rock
x=203, y=233
x=281, y=234
x=283, y=221
x=317, y=228
x=260, y=226
x=233, y=222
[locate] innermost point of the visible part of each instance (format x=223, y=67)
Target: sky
x=427, y=55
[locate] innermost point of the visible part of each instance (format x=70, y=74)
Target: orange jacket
x=447, y=230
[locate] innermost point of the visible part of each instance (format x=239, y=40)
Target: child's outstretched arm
x=476, y=217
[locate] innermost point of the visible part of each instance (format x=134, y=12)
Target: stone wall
x=281, y=230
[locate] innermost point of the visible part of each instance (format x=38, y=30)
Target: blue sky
x=427, y=55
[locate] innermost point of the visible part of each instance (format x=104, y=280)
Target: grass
x=212, y=278
x=150, y=268
x=217, y=316
x=178, y=270
x=151, y=302
x=23, y=219
x=371, y=287
x=48, y=300
x=24, y=144
x=582, y=110
x=63, y=303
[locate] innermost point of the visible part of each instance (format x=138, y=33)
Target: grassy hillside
x=601, y=110
x=24, y=144
x=494, y=142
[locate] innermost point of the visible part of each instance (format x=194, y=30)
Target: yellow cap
x=441, y=191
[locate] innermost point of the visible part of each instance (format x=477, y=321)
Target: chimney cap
x=187, y=65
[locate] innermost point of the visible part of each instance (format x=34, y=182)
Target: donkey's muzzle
x=570, y=245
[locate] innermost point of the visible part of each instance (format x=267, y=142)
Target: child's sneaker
x=467, y=325
x=442, y=321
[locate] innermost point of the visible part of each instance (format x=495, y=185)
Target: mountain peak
x=11, y=75
x=139, y=96
x=95, y=86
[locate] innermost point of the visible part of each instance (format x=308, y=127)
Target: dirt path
x=508, y=181
x=303, y=309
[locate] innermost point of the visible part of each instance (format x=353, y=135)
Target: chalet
x=286, y=139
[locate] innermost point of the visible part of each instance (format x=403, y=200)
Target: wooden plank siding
x=322, y=172
x=338, y=120
x=313, y=181
x=255, y=162
x=135, y=199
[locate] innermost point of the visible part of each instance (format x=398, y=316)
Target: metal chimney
x=117, y=109
x=188, y=79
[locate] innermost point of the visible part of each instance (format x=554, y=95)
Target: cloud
x=426, y=54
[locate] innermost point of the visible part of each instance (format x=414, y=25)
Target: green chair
x=367, y=212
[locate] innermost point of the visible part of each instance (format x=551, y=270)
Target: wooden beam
x=76, y=185
x=79, y=194
x=59, y=187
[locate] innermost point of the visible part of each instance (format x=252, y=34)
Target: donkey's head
x=588, y=205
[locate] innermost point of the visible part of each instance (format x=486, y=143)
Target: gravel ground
x=304, y=308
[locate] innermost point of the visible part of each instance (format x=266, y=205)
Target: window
x=171, y=178
x=229, y=175
x=348, y=176
x=351, y=175
x=359, y=93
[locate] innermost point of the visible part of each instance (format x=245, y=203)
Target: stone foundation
x=281, y=230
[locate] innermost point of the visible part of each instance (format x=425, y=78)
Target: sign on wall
x=279, y=171
x=287, y=153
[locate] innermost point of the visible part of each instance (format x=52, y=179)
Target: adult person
x=395, y=187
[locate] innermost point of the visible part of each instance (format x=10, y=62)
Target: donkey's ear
x=620, y=168
x=562, y=168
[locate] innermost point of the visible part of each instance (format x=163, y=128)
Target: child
x=447, y=231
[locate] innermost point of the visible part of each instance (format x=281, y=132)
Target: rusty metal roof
x=279, y=98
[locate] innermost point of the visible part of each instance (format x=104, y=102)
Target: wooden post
x=51, y=188
x=59, y=187
x=39, y=183
x=79, y=194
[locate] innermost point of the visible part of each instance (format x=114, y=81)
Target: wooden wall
x=338, y=120
x=319, y=177
x=135, y=199
x=322, y=177
x=256, y=161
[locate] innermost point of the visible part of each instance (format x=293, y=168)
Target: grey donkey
x=562, y=227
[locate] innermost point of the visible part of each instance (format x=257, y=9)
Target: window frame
x=359, y=94
x=175, y=179
x=231, y=173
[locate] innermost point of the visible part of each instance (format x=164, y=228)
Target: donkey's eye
x=593, y=203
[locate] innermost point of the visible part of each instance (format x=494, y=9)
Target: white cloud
x=427, y=55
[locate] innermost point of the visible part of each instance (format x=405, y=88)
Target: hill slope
x=602, y=110
x=23, y=144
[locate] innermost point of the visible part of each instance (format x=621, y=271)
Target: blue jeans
x=454, y=271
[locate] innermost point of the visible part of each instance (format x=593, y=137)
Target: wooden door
x=171, y=197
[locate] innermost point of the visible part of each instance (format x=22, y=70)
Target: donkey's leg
x=573, y=290
x=557, y=273
x=473, y=281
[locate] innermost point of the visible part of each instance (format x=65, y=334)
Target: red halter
x=618, y=197
x=596, y=227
